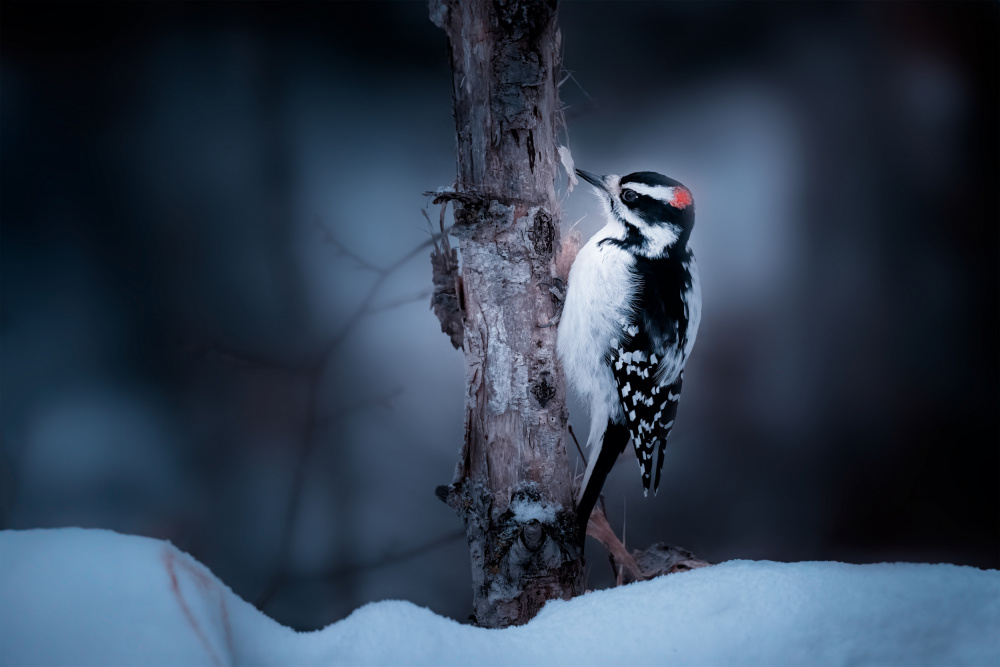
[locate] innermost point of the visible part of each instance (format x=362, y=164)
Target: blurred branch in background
x=316, y=421
x=351, y=570
x=393, y=558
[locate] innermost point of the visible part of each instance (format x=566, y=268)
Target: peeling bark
x=513, y=486
x=447, y=298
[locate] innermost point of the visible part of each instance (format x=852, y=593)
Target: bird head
x=659, y=209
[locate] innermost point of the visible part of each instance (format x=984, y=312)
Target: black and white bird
x=631, y=315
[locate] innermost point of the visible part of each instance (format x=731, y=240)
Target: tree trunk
x=513, y=486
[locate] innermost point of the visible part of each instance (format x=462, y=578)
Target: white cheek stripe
x=664, y=193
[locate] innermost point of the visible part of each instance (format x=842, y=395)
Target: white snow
x=527, y=510
x=79, y=597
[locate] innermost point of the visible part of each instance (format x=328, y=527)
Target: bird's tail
x=615, y=440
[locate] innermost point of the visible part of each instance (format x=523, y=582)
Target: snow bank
x=90, y=597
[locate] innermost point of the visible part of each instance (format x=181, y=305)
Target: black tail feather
x=615, y=440
x=669, y=414
x=662, y=445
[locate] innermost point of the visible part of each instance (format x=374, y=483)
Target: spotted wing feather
x=649, y=408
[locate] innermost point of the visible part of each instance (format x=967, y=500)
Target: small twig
x=444, y=250
x=366, y=308
x=208, y=351
x=382, y=401
x=599, y=528
x=391, y=559
x=307, y=439
x=445, y=244
x=431, y=228
x=352, y=570
x=569, y=75
x=575, y=113
x=577, y=443
x=463, y=197
x=402, y=301
x=624, y=517
x=341, y=249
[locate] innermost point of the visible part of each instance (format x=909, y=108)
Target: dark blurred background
x=214, y=319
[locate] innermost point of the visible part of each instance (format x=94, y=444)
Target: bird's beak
x=595, y=180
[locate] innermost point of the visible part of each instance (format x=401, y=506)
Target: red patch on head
x=682, y=198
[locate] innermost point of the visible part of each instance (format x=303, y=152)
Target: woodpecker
x=632, y=309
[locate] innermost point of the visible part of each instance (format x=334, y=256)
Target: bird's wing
x=649, y=407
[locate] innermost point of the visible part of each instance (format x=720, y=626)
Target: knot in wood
x=533, y=534
x=542, y=232
x=543, y=391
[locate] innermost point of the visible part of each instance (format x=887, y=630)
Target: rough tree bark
x=513, y=486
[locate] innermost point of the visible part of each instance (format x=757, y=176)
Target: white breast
x=599, y=301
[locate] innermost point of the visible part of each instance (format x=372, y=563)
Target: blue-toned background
x=196, y=200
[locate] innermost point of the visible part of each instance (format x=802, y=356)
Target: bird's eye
x=629, y=196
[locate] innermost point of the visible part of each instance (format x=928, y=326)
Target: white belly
x=598, y=303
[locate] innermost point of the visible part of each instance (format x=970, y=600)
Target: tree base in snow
x=523, y=554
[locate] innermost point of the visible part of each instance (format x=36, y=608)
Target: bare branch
x=393, y=558
x=355, y=569
x=244, y=360
x=366, y=304
x=331, y=240
x=382, y=401
x=402, y=301
x=314, y=421
x=570, y=111
x=430, y=227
